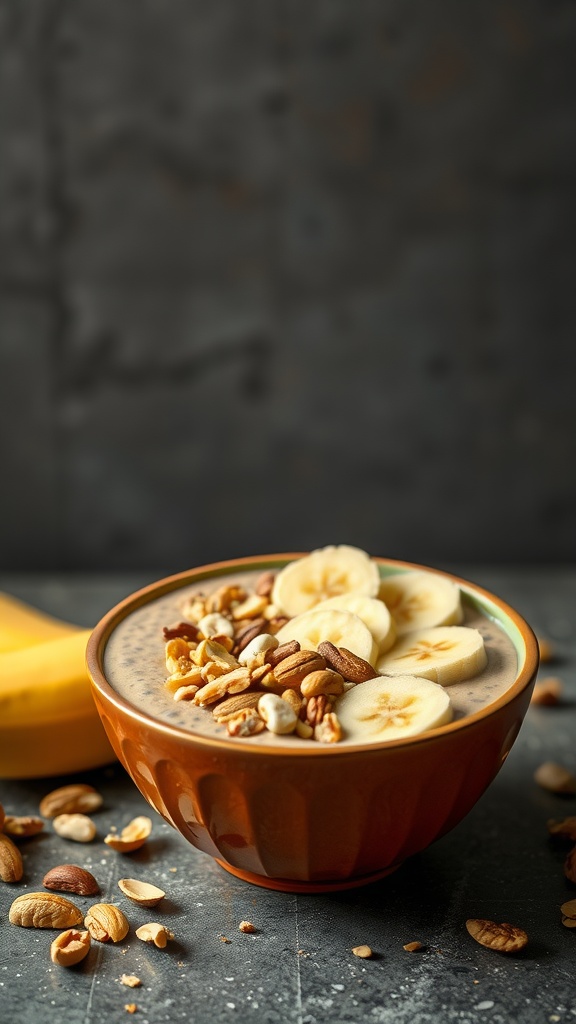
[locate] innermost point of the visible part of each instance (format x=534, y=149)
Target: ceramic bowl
x=312, y=817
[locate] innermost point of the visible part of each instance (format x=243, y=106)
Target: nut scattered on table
x=143, y=893
x=71, y=878
x=564, y=828
x=547, y=692
x=75, y=798
x=156, y=933
x=130, y=1007
x=504, y=938
x=364, y=952
x=106, y=923
x=412, y=947
x=132, y=837
x=568, y=911
x=76, y=826
x=130, y=980
x=70, y=947
x=555, y=777
x=247, y=927
x=20, y=827
x=44, y=910
x=11, y=864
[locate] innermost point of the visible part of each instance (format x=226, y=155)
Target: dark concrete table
x=298, y=966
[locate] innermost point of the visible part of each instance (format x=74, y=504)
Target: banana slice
x=324, y=573
x=373, y=613
x=420, y=600
x=342, y=629
x=388, y=708
x=445, y=654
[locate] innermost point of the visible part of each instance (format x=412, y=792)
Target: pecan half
x=349, y=665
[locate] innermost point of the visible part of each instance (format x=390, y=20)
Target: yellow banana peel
x=48, y=720
x=23, y=626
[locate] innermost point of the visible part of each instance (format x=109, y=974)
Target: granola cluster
x=225, y=657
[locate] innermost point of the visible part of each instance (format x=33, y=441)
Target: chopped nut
x=156, y=933
x=182, y=630
x=223, y=598
x=293, y=698
x=274, y=657
x=106, y=923
x=280, y=718
x=130, y=1007
x=329, y=729
x=186, y=692
x=130, y=980
x=364, y=952
x=251, y=608
x=247, y=927
x=215, y=624
x=247, y=634
x=144, y=893
x=71, y=878
x=11, y=864
x=555, y=778
x=44, y=910
x=412, y=947
x=547, y=692
x=304, y=730
x=22, y=827
x=232, y=705
x=265, y=583
x=245, y=723
x=70, y=947
x=324, y=681
x=75, y=798
x=77, y=827
x=132, y=836
x=258, y=645
x=292, y=670
x=505, y=938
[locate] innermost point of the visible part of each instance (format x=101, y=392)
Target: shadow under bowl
x=312, y=817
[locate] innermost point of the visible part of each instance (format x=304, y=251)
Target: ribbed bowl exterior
x=333, y=817
x=307, y=819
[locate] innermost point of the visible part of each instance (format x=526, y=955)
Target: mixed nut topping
x=225, y=657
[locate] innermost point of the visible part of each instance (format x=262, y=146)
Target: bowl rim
x=526, y=674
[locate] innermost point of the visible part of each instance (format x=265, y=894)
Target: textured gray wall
x=279, y=274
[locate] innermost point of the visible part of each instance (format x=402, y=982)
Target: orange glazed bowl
x=296, y=815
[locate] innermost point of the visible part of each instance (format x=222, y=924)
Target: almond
x=555, y=778
x=349, y=665
x=292, y=670
x=44, y=910
x=11, y=865
x=71, y=878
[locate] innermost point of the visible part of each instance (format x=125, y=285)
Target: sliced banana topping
x=371, y=610
x=343, y=629
x=445, y=654
x=387, y=708
x=324, y=573
x=420, y=600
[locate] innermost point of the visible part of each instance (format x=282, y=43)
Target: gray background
x=281, y=274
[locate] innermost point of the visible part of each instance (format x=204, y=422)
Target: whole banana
x=48, y=720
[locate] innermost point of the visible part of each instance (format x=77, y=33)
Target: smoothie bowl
x=311, y=720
